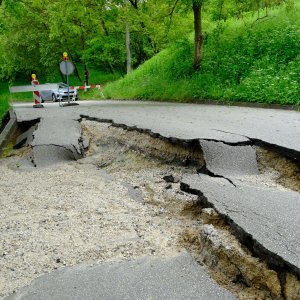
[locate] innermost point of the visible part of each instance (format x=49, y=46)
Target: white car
x=59, y=94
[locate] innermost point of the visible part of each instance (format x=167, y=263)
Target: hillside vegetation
x=251, y=49
x=255, y=60
x=4, y=101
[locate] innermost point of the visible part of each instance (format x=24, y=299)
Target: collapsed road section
x=51, y=141
x=232, y=205
x=262, y=215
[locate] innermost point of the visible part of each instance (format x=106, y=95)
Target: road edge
x=9, y=128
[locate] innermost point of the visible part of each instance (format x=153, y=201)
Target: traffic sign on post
x=67, y=68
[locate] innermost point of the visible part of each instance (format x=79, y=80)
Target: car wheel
x=54, y=98
x=42, y=100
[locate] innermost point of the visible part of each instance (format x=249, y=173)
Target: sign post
x=36, y=93
x=67, y=68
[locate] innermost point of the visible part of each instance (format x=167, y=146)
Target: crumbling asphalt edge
x=10, y=127
x=275, y=261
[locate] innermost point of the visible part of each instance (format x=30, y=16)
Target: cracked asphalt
x=179, y=277
x=271, y=217
x=186, y=121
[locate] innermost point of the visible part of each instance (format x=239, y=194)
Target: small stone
x=168, y=178
x=58, y=260
x=168, y=186
x=177, y=179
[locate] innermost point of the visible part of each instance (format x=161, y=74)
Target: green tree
x=34, y=34
x=24, y=33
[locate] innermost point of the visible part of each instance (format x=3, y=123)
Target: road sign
x=66, y=67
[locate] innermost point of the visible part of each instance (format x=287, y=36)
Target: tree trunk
x=86, y=71
x=128, y=52
x=76, y=72
x=198, y=41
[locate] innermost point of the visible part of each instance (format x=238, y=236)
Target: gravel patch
x=75, y=212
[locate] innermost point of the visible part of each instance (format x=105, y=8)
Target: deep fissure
x=205, y=171
x=274, y=261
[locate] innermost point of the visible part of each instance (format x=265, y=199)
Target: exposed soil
x=286, y=171
x=122, y=201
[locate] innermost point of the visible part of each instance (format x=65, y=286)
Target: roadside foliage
x=249, y=59
x=240, y=50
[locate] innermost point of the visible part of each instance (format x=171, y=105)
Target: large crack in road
x=233, y=205
x=256, y=225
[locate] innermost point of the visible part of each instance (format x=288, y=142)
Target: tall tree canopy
x=33, y=34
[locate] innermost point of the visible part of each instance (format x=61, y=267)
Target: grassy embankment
x=4, y=101
x=245, y=60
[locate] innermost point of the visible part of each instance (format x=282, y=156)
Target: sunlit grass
x=246, y=60
x=4, y=100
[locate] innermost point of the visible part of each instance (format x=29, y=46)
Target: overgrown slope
x=244, y=60
x=4, y=101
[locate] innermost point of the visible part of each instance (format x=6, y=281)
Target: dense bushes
x=244, y=60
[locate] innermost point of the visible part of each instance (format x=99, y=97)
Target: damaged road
x=233, y=125
x=53, y=140
x=265, y=219
x=175, y=278
x=56, y=139
x=231, y=169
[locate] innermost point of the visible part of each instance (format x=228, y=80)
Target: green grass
x=4, y=101
x=244, y=60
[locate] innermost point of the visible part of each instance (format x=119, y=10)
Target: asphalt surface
x=186, y=121
x=268, y=217
x=229, y=161
x=56, y=139
x=145, y=278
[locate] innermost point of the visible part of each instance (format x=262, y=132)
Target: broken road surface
x=146, y=278
x=267, y=220
x=263, y=216
x=233, y=125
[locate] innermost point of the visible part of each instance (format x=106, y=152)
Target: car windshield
x=62, y=85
